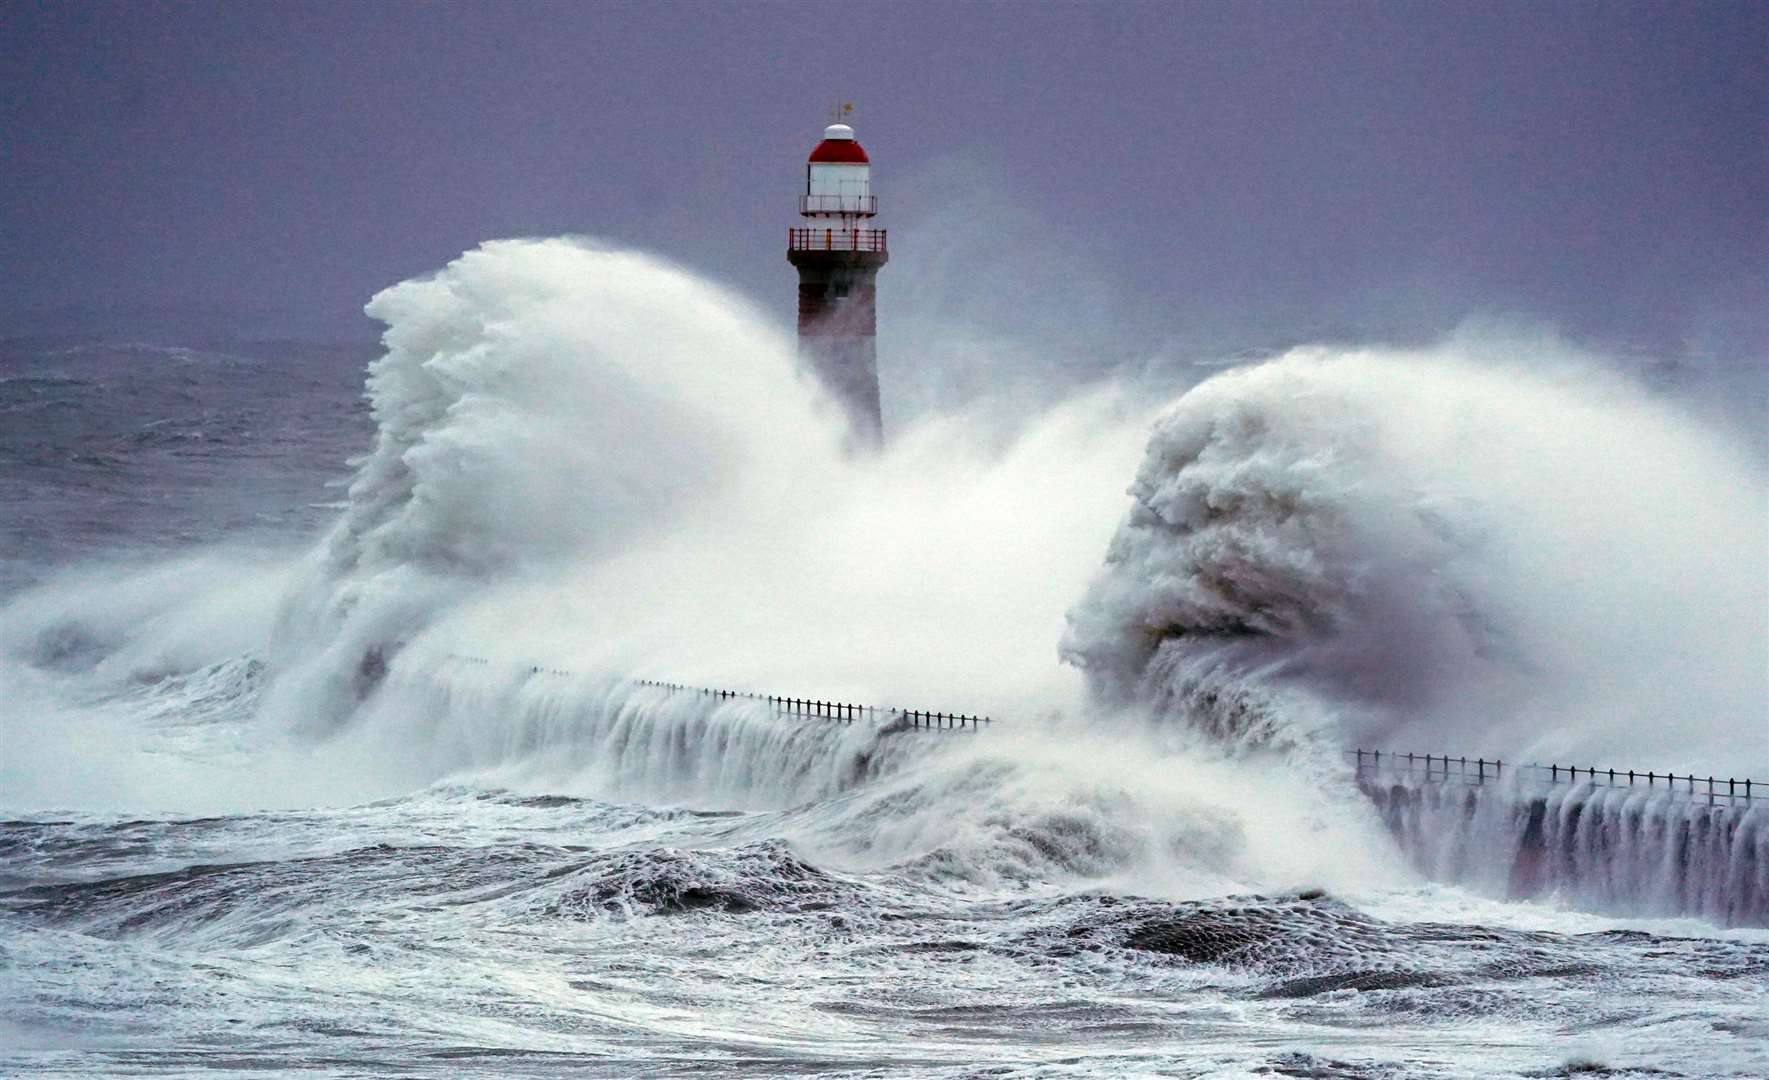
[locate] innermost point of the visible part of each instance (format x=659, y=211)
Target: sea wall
x=1618, y=850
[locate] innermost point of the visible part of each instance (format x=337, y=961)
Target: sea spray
x=1435, y=549
x=538, y=401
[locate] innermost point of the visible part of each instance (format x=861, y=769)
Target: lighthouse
x=838, y=253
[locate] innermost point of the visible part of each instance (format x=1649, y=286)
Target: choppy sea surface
x=573, y=877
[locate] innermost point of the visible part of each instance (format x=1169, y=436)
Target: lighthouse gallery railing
x=835, y=240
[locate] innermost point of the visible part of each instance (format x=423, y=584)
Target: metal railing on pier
x=1431, y=768
x=840, y=712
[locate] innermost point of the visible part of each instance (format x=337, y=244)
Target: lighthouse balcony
x=835, y=240
x=862, y=205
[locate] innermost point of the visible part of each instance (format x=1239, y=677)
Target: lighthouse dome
x=839, y=147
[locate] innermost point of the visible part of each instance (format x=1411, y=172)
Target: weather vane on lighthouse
x=838, y=255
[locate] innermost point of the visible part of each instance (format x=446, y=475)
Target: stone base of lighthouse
x=838, y=332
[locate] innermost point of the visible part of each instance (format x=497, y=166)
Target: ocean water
x=321, y=750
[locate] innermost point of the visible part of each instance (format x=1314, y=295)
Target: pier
x=1621, y=841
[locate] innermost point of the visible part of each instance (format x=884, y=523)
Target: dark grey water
x=115, y=448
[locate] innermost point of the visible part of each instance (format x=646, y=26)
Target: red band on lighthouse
x=839, y=151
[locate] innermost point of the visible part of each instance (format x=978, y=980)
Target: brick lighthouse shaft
x=838, y=256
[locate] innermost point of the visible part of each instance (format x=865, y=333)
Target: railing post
x=1480, y=770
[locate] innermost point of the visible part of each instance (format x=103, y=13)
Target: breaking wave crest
x=1437, y=550
x=538, y=403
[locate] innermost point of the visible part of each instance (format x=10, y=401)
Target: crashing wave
x=1356, y=547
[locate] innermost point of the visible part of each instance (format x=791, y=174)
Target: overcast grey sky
x=1224, y=169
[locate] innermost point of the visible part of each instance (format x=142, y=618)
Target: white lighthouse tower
x=838, y=253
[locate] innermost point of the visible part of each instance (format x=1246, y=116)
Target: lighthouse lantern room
x=838, y=254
